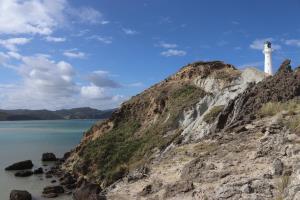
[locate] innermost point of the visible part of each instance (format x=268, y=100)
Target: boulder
x=87, y=191
x=67, y=179
x=38, y=171
x=23, y=173
x=27, y=164
x=277, y=167
x=20, y=195
x=50, y=195
x=49, y=157
x=57, y=189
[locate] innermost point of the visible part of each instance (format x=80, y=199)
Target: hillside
x=209, y=131
x=75, y=113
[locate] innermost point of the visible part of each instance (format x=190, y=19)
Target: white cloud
x=46, y=77
x=105, y=40
x=258, y=44
x=222, y=43
x=3, y=58
x=12, y=43
x=14, y=55
x=292, y=42
x=55, y=39
x=105, y=22
x=137, y=84
x=31, y=16
x=102, y=79
x=173, y=52
x=235, y=22
x=47, y=84
x=89, y=15
x=43, y=17
x=167, y=45
x=129, y=31
x=92, y=92
x=73, y=53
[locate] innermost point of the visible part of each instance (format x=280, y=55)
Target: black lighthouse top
x=268, y=43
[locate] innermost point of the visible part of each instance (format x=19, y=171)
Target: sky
x=63, y=54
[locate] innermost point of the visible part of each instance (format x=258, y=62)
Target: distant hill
x=74, y=113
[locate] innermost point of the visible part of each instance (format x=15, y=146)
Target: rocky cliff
x=209, y=131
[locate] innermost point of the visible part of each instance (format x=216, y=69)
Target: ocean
x=28, y=140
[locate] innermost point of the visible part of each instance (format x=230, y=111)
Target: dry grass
x=272, y=108
x=282, y=184
x=293, y=123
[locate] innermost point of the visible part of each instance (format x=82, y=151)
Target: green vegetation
x=213, y=113
x=129, y=144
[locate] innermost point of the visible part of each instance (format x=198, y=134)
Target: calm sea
x=24, y=140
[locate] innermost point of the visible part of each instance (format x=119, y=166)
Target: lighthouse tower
x=268, y=58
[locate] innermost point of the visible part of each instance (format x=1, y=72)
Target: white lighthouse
x=268, y=58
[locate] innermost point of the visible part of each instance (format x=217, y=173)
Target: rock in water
x=53, y=190
x=27, y=164
x=38, y=171
x=49, y=157
x=20, y=195
x=23, y=173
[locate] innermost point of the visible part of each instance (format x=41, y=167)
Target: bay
x=28, y=140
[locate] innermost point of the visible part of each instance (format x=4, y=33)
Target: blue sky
x=63, y=54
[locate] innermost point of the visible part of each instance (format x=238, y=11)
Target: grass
x=213, y=113
x=129, y=145
x=292, y=113
x=282, y=185
x=272, y=108
x=293, y=123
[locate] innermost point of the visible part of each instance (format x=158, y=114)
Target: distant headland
x=74, y=113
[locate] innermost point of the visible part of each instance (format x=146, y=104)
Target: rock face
x=200, y=135
x=285, y=85
x=49, y=157
x=27, y=164
x=20, y=195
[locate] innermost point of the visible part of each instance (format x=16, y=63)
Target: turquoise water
x=22, y=140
